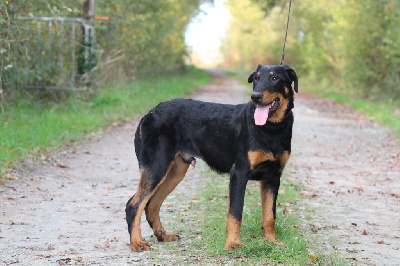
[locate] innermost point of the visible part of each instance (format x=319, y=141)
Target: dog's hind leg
x=152, y=209
x=151, y=178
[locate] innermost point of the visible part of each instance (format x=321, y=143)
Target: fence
x=58, y=53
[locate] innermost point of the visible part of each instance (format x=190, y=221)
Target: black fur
x=221, y=135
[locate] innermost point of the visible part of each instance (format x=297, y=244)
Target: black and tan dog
x=250, y=141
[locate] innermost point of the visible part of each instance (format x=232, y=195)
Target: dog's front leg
x=269, y=193
x=237, y=189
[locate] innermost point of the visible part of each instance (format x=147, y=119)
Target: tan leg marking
x=233, y=233
x=268, y=222
x=283, y=159
x=257, y=157
x=173, y=178
x=137, y=241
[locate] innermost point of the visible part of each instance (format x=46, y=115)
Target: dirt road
x=71, y=208
x=350, y=167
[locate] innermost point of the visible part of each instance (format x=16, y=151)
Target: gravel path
x=70, y=209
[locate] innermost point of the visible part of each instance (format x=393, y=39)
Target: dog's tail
x=143, y=131
x=138, y=139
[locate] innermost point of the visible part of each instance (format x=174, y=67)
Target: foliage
x=140, y=38
x=350, y=44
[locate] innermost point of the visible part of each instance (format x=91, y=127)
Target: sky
x=206, y=30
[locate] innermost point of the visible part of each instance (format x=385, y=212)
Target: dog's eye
x=274, y=78
x=256, y=78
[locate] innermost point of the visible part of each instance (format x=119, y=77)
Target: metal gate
x=60, y=52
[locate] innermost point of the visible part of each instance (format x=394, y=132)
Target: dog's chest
x=258, y=157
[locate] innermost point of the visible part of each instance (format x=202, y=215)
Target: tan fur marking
x=268, y=223
x=286, y=90
x=279, y=114
x=257, y=157
x=174, y=177
x=136, y=234
x=283, y=159
x=258, y=73
x=271, y=73
x=232, y=232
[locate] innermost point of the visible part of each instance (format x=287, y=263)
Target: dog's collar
x=288, y=114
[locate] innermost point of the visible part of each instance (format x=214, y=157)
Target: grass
x=30, y=128
x=213, y=206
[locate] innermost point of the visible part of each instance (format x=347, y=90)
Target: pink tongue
x=261, y=114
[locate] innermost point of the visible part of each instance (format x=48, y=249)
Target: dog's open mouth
x=262, y=112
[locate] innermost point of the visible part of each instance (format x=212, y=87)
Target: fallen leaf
x=380, y=242
x=355, y=224
x=365, y=232
x=13, y=261
x=110, y=188
x=287, y=211
x=332, y=182
x=62, y=165
x=305, y=193
x=169, y=205
x=195, y=198
x=313, y=257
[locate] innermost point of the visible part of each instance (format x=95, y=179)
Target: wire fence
x=59, y=51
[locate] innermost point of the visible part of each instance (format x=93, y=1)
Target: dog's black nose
x=256, y=97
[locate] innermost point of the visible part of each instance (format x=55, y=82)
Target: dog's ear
x=251, y=77
x=292, y=76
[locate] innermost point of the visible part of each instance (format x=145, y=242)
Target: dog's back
x=200, y=129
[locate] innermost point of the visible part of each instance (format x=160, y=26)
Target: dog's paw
x=165, y=237
x=140, y=246
x=234, y=245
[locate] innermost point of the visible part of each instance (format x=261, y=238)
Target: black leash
x=287, y=27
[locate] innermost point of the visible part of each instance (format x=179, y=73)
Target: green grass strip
x=32, y=126
x=213, y=206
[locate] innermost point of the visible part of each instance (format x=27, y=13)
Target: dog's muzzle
x=256, y=97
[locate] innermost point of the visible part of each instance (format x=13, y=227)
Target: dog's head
x=272, y=92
